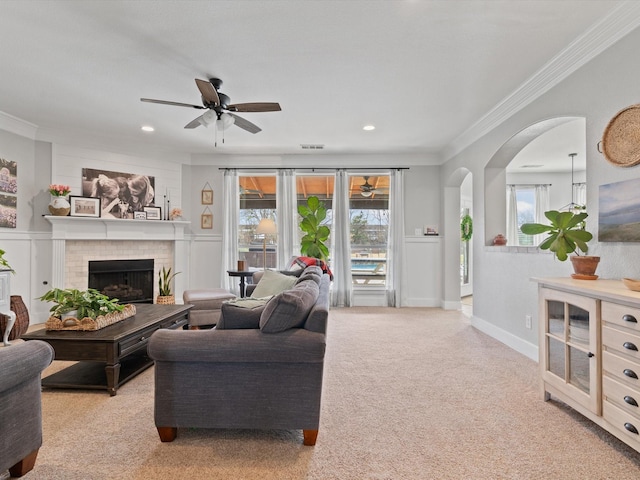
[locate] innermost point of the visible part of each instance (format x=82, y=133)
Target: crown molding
x=19, y=127
x=611, y=28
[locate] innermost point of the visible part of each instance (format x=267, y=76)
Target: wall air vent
x=311, y=146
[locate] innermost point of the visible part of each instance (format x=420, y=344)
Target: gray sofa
x=259, y=368
x=21, y=404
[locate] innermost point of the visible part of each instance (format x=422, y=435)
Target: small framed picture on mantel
x=84, y=206
x=153, y=213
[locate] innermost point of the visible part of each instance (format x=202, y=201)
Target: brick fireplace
x=78, y=240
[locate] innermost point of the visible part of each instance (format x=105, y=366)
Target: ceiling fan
x=219, y=107
x=366, y=189
x=250, y=191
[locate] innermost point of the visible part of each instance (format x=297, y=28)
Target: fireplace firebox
x=130, y=281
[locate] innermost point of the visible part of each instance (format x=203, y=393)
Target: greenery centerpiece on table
x=87, y=303
x=89, y=309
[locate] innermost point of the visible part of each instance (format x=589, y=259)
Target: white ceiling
x=423, y=72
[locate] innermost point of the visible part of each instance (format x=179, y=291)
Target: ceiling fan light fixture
x=225, y=121
x=366, y=193
x=207, y=118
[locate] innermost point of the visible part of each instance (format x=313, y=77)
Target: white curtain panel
x=342, y=291
x=287, y=215
x=231, y=212
x=542, y=205
x=395, y=243
x=512, y=216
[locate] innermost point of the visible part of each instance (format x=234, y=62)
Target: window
x=257, y=201
x=369, y=215
x=525, y=204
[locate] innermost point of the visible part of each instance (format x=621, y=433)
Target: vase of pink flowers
x=59, y=204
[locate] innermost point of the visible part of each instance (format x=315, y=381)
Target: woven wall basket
x=621, y=139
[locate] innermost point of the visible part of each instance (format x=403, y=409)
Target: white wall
x=503, y=292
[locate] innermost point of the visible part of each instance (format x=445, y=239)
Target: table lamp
x=266, y=227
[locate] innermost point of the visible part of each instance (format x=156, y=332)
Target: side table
x=242, y=274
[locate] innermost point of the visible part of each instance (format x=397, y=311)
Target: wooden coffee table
x=113, y=355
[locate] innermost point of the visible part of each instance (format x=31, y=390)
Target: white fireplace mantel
x=89, y=228
x=112, y=229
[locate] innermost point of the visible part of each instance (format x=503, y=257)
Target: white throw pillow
x=272, y=283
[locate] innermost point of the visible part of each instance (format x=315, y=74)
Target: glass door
x=570, y=346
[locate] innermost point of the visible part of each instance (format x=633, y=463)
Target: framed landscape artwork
x=619, y=212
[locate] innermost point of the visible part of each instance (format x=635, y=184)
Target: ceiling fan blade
x=245, y=124
x=194, y=123
x=209, y=94
x=175, y=104
x=255, y=107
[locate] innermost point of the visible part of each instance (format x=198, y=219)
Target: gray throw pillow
x=289, y=309
x=272, y=283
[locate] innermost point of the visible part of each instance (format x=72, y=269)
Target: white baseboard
x=519, y=345
x=421, y=302
x=448, y=305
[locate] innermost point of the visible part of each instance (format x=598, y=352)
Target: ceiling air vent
x=312, y=146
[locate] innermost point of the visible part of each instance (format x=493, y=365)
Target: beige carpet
x=409, y=394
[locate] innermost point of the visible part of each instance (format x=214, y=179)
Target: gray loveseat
x=21, y=404
x=260, y=368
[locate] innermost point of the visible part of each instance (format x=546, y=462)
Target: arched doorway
x=453, y=203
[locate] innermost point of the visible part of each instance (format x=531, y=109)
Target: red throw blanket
x=305, y=262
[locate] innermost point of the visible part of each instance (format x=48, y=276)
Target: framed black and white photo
x=84, y=206
x=140, y=215
x=153, y=213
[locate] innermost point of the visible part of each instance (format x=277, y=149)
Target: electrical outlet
x=527, y=321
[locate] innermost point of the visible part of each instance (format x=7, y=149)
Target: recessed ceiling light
x=147, y=128
x=368, y=128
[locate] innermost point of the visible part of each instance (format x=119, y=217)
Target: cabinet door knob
x=590, y=355
x=629, y=318
x=630, y=346
x=630, y=400
x=630, y=373
x=631, y=428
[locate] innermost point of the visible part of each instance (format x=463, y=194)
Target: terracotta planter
x=584, y=266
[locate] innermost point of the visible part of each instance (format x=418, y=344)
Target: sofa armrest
x=296, y=345
x=23, y=361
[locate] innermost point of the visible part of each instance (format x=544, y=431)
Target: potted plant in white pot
x=566, y=235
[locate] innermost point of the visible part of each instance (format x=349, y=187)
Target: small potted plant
x=3, y=261
x=312, y=244
x=165, y=296
x=567, y=234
